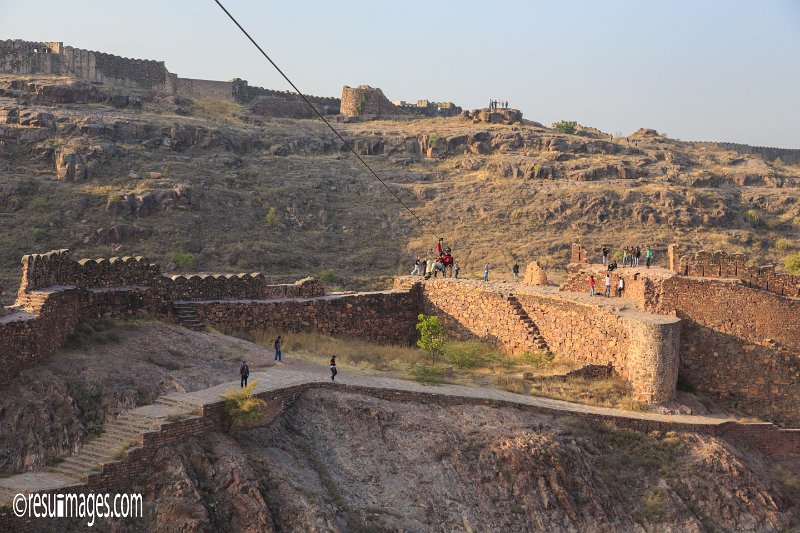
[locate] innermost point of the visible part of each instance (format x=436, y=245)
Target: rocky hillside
x=345, y=462
x=210, y=186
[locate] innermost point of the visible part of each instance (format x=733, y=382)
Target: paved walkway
x=282, y=377
x=298, y=373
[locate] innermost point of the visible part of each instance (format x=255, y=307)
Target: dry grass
x=612, y=392
x=218, y=111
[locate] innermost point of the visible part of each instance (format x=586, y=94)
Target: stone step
x=119, y=431
x=188, y=407
x=75, y=471
x=110, y=440
x=6, y=496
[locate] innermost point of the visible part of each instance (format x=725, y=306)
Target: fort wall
x=642, y=349
x=387, y=317
x=787, y=155
x=738, y=342
x=365, y=100
x=221, y=90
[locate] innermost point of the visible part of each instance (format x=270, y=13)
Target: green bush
x=241, y=408
x=539, y=358
x=752, y=216
x=792, y=263
x=466, y=354
x=565, y=126
x=328, y=275
x=184, y=261
x=783, y=245
x=39, y=234
x=432, y=335
x=272, y=220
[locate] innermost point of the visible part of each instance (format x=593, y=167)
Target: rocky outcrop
x=493, y=116
x=144, y=203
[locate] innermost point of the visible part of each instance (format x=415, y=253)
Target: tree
x=432, y=335
x=242, y=409
x=565, y=126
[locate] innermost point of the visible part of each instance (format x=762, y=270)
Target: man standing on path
x=648, y=255
x=486, y=272
x=245, y=372
x=608, y=286
x=457, y=270
x=621, y=287
x=605, y=255
x=278, y=345
x=416, y=266
x=515, y=270
x=333, y=368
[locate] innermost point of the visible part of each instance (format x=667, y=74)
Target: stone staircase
x=533, y=330
x=188, y=316
x=118, y=434
x=33, y=301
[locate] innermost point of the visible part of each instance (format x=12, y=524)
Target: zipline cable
x=369, y=168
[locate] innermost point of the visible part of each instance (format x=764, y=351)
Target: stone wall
x=387, y=317
x=768, y=153
x=365, y=100
x=719, y=264
x=221, y=90
x=58, y=268
x=274, y=106
x=642, y=348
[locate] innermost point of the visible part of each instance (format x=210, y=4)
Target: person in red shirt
x=333, y=367
x=591, y=285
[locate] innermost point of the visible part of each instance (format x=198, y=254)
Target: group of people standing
x=607, y=292
x=444, y=264
x=244, y=370
x=631, y=256
x=496, y=104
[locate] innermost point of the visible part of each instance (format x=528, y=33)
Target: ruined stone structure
x=365, y=100
x=740, y=333
x=535, y=275
x=55, y=59
x=493, y=116
x=768, y=153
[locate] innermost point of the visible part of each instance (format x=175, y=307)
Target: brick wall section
x=384, y=317
x=221, y=90
x=642, y=348
x=123, y=474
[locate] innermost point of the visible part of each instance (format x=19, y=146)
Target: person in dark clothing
x=245, y=372
x=605, y=255
x=515, y=270
x=333, y=368
x=278, y=345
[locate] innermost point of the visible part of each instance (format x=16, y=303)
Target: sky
x=693, y=69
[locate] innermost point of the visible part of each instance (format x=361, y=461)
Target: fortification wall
x=787, y=155
x=221, y=90
x=386, y=317
x=719, y=264
x=365, y=100
x=58, y=268
x=643, y=349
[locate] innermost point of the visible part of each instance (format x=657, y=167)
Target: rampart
x=739, y=341
x=719, y=264
x=787, y=155
x=55, y=59
x=642, y=348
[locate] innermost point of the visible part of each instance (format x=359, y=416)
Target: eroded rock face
x=346, y=462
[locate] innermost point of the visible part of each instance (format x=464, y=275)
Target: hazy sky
x=697, y=70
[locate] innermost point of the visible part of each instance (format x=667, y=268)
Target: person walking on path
x=515, y=270
x=333, y=368
x=416, y=266
x=605, y=255
x=245, y=373
x=486, y=272
x=278, y=345
x=638, y=255
x=591, y=285
x=608, y=286
x=621, y=287
x=457, y=270
x=648, y=256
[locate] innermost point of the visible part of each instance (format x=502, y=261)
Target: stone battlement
x=55, y=59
